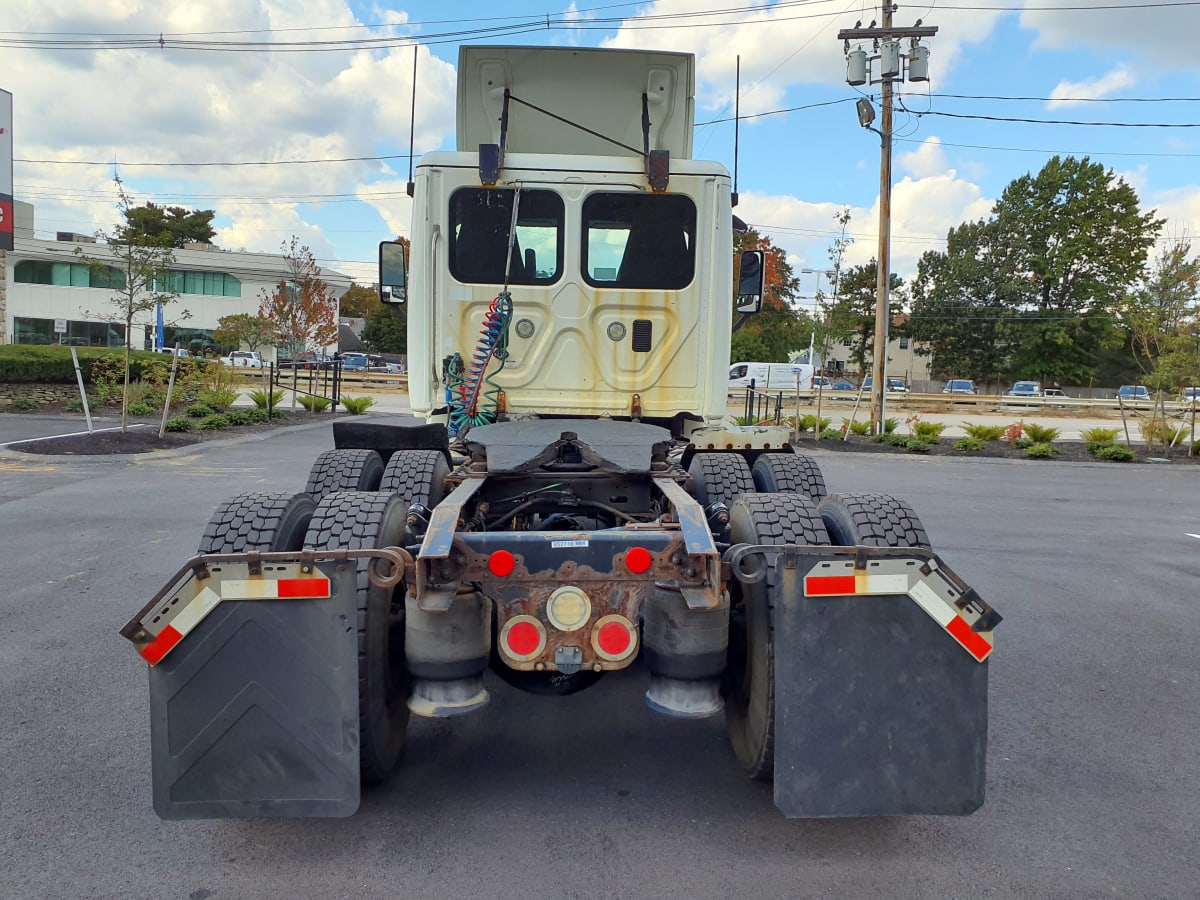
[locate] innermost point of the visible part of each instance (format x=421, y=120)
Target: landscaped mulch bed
x=1068, y=451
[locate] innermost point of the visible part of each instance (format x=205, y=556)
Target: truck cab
x=616, y=281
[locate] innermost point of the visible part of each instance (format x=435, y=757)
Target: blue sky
x=277, y=91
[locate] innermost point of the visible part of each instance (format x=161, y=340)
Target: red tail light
x=501, y=563
x=638, y=560
x=523, y=638
x=614, y=638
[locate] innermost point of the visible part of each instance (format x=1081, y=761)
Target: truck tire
x=416, y=476
x=266, y=521
x=873, y=520
x=749, y=680
x=776, y=473
x=344, y=470
x=720, y=477
x=353, y=520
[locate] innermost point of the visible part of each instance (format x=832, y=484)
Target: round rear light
x=501, y=563
x=638, y=560
x=614, y=638
x=523, y=638
x=568, y=608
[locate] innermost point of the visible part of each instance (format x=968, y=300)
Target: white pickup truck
x=243, y=359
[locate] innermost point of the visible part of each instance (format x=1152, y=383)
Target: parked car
x=181, y=353
x=894, y=385
x=306, y=360
x=959, y=386
x=1026, y=389
x=1190, y=396
x=363, y=362
x=842, y=386
x=243, y=359
x=1133, y=392
x=395, y=368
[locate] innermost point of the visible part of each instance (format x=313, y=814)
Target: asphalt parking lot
x=1093, y=767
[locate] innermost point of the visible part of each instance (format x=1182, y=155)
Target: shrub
x=1095, y=447
x=356, y=406
x=880, y=438
x=857, y=427
x=918, y=444
x=1156, y=431
x=255, y=416
x=1041, y=450
x=1014, y=432
x=215, y=422
x=239, y=416
x=1023, y=443
x=76, y=405
x=199, y=410
x=890, y=425
x=928, y=430
x=740, y=420
x=24, y=404
x=1100, y=435
x=260, y=398
x=142, y=408
x=1041, y=434
x=1116, y=453
x=831, y=434
x=896, y=440
x=278, y=413
x=180, y=423
x=314, y=404
x=984, y=433
x=970, y=443
x=218, y=398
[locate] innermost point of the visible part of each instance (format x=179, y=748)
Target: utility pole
x=885, y=40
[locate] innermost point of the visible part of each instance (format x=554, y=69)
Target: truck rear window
x=643, y=241
x=480, y=219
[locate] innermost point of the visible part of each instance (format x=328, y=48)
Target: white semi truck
x=568, y=501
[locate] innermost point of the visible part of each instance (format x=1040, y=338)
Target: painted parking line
x=74, y=434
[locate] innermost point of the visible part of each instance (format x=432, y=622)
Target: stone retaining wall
x=44, y=394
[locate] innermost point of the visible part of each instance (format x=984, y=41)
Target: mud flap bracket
x=878, y=710
x=256, y=712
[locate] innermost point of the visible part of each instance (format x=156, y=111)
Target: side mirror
x=750, y=282
x=393, y=273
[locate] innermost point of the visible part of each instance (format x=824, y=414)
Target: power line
x=1025, y=121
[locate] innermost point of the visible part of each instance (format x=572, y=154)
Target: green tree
x=167, y=226
x=1070, y=242
x=778, y=329
x=243, y=330
x=386, y=332
x=301, y=308
x=1161, y=318
x=360, y=302
x=961, y=309
x=135, y=268
x=853, y=315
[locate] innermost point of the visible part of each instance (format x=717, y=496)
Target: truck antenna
x=412, y=124
x=737, y=101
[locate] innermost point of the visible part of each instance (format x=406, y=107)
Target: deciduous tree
x=360, y=302
x=779, y=329
x=386, y=332
x=135, y=270
x=243, y=330
x=302, y=309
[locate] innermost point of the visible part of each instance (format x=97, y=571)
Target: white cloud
x=927, y=160
x=923, y=210
x=1072, y=93
x=1159, y=38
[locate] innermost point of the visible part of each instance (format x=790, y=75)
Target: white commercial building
x=48, y=295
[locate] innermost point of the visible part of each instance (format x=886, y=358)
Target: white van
x=770, y=376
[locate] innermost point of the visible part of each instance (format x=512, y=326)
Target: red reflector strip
x=973, y=641
x=300, y=588
x=167, y=638
x=829, y=585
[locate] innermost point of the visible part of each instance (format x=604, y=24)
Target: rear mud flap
x=878, y=710
x=255, y=713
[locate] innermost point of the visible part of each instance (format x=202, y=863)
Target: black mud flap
x=255, y=712
x=878, y=710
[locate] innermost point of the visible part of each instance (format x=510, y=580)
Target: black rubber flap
x=390, y=434
x=879, y=712
x=255, y=712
